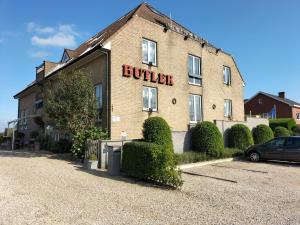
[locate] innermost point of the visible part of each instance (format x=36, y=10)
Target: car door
x=292, y=149
x=273, y=149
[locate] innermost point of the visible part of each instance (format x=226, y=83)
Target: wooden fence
x=93, y=147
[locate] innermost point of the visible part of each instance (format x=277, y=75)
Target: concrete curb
x=198, y=164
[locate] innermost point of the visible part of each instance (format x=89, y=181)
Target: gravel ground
x=44, y=189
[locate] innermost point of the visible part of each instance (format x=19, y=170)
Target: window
x=227, y=108
x=298, y=116
x=260, y=101
x=194, y=67
x=149, y=99
x=195, y=106
x=278, y=142
x=149, y=52
x=38, y=104
x=98, y=96
x=227, y=75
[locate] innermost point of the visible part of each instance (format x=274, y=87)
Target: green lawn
x=192, y=156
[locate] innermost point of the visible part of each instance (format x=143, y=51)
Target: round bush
x=262, y=133
x=281, y=132
x=239, y=136
x=157, y=130
x=206, y=137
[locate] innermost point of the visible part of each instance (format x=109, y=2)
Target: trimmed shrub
x=281, y=132
x=288, y=123
x=151, y=162
x=239, y=136
x=157, y=130
x=262, y=133
x=207, y=138
x=153, y=158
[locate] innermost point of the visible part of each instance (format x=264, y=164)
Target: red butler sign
x=147, y=75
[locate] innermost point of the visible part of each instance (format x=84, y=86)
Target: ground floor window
x=298, y=116
x=150, y=99
x=195, y=106
x=227, y=108
x=98, y=95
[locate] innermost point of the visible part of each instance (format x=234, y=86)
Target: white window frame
x=194, y=75
x=199, y=113
x=148, y=52
x=298, y=116
x=260, y=101
x=226, y=79
x=150, y=98
x=228, y=111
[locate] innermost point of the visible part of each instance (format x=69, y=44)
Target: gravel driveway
x=44, y=189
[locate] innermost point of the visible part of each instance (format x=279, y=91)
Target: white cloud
x=60, y=36
x=57, y=40
x=39, y=54
x=33, y=27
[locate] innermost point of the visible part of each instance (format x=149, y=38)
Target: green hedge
x=207, y=138
x=153, y=158
x=239, y=136
x=150, y=161
x=281, y=132
x=262, y=133
x=288, y=123
x=157, y=130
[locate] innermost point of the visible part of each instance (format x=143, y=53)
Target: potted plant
x=34, y=135
x=91, y=162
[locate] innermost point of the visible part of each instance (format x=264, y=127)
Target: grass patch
x=192, y=156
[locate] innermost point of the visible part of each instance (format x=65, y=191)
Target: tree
x=70, y=103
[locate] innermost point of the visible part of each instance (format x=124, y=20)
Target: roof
x=144, y=11
x=277, y=98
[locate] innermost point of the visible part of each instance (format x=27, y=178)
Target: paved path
x=43, y=189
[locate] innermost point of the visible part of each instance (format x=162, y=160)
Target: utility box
x=114, y=160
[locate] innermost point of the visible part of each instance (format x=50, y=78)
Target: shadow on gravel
x=77, y=164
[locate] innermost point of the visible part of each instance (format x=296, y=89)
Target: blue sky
x=263, y=36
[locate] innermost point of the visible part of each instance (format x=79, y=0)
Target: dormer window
x=65, y=58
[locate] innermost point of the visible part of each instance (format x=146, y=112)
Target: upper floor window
x=98, y=96
x=38, y=104
x=195, y=107
x=260, y=101
x=227, y=108
x=150, y=99
x=298, y=116
x=149, y=52
x=227, y=75
x=194, y=70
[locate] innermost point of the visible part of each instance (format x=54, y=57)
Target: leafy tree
x=70, y=103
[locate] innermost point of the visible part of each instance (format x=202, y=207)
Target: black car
x=281, y=148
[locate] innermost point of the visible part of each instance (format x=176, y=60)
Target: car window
x=276, y=142
x=290, y=142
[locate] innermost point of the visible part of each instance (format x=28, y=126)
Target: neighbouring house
x=142, y=65
x=273, y=106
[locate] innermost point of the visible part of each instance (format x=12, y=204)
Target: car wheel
x=254, y=157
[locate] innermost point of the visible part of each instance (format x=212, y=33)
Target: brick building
x=142, y=65
x=272, y=106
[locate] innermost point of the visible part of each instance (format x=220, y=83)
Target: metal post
x=13, y=138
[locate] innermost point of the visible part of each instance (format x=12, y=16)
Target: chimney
x=281, y=94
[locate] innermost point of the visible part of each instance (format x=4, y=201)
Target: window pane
x=146, y=98
x=145, y=50
x=197, y=107
x=196, y=66
x=151, y=49
x=190, y=64
x=197, y=81
x=191, y=107
x=98, y=95
x=225, y=108
x=153, y=99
